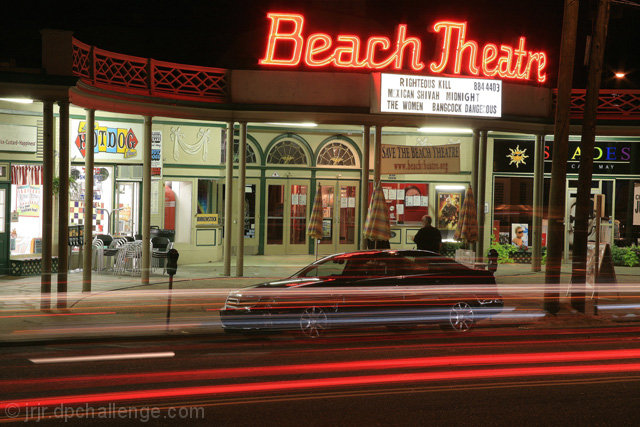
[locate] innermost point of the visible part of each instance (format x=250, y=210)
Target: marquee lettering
x=288, y=46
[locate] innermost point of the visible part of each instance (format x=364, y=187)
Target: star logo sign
x=517, y=156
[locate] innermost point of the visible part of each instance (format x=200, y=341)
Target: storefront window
x=626, y=224
x=26, y=209
x=250, y=155
x=102, y=198
x=513, y=210
x=249, y=208
x=177, y=209
x=407, y=201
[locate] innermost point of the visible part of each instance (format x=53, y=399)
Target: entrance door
x=287, y=212
x=339, y=216
x=597, y=187
x=4, y=228
x=126, y=214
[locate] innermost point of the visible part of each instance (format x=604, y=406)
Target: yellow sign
x=205, y=220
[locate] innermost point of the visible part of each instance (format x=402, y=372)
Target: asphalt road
x=492, y=376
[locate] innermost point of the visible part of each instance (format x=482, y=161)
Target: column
x=88, y=200
x=228, y=201
x=47, y=205
x=538, y=186
x=482, y=183
x=146, y=202
x=474, y=177
x=364, y=182
x=377, y=156
x=242, y=170
x=63, y=203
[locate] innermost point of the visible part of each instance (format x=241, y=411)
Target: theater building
x=328, y=114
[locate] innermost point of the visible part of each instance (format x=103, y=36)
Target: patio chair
x=159, y=248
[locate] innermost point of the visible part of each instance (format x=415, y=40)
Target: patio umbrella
x=376, y=226
x=467, y=229
x=315, y=221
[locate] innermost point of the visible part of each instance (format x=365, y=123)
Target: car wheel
x=461, y=318
x=313, y=322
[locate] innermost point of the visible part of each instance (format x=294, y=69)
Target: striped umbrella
x=376, y=226
x=315, y=221
x=467, y=229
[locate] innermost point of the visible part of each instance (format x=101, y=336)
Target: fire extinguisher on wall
x=169, y=207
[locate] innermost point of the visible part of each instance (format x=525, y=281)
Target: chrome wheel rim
x=461, y=317
x=313, y=321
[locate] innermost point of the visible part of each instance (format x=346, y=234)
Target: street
x=490, y=376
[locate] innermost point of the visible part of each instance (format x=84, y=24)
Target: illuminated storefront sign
x=610, y=157
x=288, y=46
x=109, y=139
x=440, y=95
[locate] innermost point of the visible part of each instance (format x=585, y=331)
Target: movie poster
x=449, y=205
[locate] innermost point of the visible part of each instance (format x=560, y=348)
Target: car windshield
x=362, y=265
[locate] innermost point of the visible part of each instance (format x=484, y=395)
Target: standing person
x=428, y=238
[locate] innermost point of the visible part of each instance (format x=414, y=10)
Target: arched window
x=287, y=152
x=336, y=153
x=250, y=157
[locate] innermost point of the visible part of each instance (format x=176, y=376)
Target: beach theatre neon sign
x=287, y=46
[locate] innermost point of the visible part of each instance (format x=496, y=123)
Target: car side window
x=330, y=268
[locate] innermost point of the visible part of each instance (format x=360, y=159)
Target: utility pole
x=581, y=230
x=555, y=241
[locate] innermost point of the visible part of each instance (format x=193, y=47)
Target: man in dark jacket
x=428, y=238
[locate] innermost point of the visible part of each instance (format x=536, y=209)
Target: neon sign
x=288, y=47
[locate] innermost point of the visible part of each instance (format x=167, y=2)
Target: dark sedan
x=394, y=288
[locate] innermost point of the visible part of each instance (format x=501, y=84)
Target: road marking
x=104, y=357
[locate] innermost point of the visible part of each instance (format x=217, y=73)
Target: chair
x=97, y=254
x=114, y=249
x=159, y=248
x=106, y=239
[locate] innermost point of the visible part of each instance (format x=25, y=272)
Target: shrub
x=625, y=256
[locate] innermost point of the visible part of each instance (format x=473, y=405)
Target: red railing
x=613, y=104
x=144, y=76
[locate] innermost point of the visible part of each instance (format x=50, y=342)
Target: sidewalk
x=121, y=305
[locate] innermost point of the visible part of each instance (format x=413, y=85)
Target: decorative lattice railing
x=145, y=76
x=613, y=104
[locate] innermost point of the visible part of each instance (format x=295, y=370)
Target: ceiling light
x=620, y=75
x=450, y=187
x=18, y=100
x=445, y=130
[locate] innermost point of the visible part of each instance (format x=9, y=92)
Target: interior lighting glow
x=18, y=100
x=445, y=130
x=450, y=187
x=620, y=75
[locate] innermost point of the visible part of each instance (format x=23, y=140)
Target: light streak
x=101, y=357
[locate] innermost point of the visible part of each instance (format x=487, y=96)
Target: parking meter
x=172, y=262
x=492, y=263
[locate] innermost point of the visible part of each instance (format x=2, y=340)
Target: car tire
x=460, y=318
x=313, y=322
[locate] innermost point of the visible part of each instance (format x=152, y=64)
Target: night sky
x=232, y=34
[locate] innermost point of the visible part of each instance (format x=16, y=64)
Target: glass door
x=4, y=228
x=126, y=213
x=287, y=212
x=339, y=216
x=604, y=187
